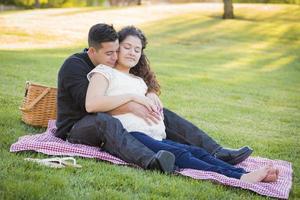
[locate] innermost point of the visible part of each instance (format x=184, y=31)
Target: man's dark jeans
x=107, y=132
x=180, y=130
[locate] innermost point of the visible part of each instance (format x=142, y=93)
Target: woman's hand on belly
x=141, y=111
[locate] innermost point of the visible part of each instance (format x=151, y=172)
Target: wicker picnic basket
x=39, y=104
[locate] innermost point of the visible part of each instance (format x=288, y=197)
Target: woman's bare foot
x=277, y=172
x=270, y=178
x=272, y=175
x=257, y=175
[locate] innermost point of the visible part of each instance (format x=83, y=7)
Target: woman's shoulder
x=102, y=67
x=106, y=71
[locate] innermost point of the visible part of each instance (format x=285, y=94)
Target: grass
x=238, y=80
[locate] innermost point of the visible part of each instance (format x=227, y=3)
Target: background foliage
x=236, y=79
x=80, y=3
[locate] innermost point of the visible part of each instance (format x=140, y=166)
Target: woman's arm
x=96, y=101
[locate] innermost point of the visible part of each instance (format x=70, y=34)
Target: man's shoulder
x=75, y=58
x=75, y=62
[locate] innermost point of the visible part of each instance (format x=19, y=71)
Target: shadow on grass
x=211, y=36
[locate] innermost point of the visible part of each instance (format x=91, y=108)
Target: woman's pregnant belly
x=132, y=122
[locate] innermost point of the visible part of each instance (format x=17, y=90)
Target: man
x=100, y=129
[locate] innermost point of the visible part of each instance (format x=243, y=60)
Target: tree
x=124, y=2
x=228, y=9
x=37, y=4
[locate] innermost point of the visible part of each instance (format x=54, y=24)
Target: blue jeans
x=103, y=130
x=187, y=156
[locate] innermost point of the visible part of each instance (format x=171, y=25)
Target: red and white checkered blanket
x=47, y=143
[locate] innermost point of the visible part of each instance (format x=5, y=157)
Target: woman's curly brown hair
x=142, y=68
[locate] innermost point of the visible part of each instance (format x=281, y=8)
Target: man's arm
x=138, y=110
x=141, y=111
x=72, y=80
x=155, y=99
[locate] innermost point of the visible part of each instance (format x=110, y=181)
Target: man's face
x=106, y=55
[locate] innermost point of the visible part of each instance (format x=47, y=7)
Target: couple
x=85, y=109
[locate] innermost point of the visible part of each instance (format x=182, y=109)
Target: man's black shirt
x=71, y=93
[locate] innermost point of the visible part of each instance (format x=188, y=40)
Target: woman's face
x=130, y=51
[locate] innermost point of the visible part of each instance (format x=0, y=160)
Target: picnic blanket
x=47, y=143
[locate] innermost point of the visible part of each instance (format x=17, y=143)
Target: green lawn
x=239, y=80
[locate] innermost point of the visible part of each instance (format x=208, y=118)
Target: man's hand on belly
x=138, y=110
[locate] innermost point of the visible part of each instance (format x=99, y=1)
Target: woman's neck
x=122, y=68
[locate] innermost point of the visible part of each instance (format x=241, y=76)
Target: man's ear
x=92, y=50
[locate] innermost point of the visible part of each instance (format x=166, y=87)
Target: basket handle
x=36, y=100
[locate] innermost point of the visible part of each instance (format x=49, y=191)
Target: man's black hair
x=101, y=33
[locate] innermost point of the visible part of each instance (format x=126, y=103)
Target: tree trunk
x=37, y=4
x=228, y=9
